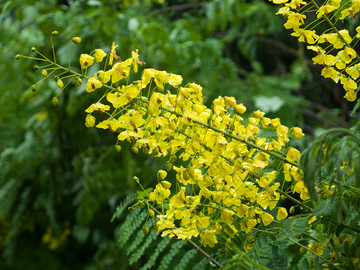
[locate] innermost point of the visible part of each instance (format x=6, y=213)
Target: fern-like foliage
x=333, y=158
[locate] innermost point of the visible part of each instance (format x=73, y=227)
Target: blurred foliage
x=60, y=183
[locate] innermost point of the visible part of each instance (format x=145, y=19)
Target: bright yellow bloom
x=297, y=133
x=308, y=36
x=336, y=41
x=161, y=175
x=230, y=102
x=166, y=184
x=86, y=61
x=240, y=108
x=294, y=20
x=92, y=84
x=353, y=71
x=293, y=154
x=282, y=213
x=97, y=107
x=226, y=216
x=112, y=53
x=267, y=218
x=175, y=80
x=76, y=40
x=60, y=83
x=90, y=121
x=159, y=194
x=99, y=55
x=208, y=238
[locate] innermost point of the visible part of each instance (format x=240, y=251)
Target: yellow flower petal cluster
x=340, y=55
x=220, y=160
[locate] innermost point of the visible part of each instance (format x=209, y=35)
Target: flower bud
x=76, y=40
x=141, y=204
x=136, y=179
x=44, y=73
x=54, y=33
x=151, y=212
x=240, y=108
x=130, y=208
x=55, y=101
x=135, y=150
x=161, y=175
x=78, y=82
x=33, y=49
x=35, y=67
x=297, y=133
x=34, y=88
x=173, y=158
x=146, y=230
x=60, y=83
x=118, y=148
x=292, y=210
x=17, y=57
x=166, y=184
x=168, y=166
x=90, y=121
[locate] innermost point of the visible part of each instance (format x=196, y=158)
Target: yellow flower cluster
x=222, y=162
x=334, y=48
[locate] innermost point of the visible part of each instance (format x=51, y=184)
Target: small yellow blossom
x=112, y=53
x=92, y=84
x=297, y=133
x=282, y=213
x=240, y=108
x=86, y=61
x=99, y=55
x=293, y=154
x=267, y=218
x=90, y=121
x=175, y=80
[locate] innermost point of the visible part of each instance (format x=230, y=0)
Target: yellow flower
x=90, y=121
x=166, y=184
x=293, y=154
x=297, y=133
x=92, y=84
x=97, y=107
x=312, y=220
x=161, y=175
x=76, y=40
x=230, y=102
x=208, y=238
x=226, y=216
x=99, y=55
x=267, y=218
x=178, y=200
x=294, y=20
x=60, y=83
x=350, y=95
x=159, y=194
x=282, y=213
x=353, y=71
x=175, y=80
x=86, y=61
x=240, y=108
x=112, y=53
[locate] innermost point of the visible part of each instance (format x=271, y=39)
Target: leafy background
x=61, y=183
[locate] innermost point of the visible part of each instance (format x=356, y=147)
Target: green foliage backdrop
x=60, y=183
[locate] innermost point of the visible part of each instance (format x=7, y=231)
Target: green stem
x=295, y=200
